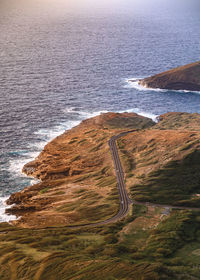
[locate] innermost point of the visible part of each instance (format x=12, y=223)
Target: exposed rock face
x=186, y=77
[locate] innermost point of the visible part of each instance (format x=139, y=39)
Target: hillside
x=186, y=77
x=162, y=163
x=78, y=185
x=77, y=175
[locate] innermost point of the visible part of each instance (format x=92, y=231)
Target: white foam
x=49, y=134
x=189, y=91
x=69, y=110
x=46, y=135
x=134, y=83
x=82, y=114
x=142, y=113
x=3, y=216
x=86, y=115
x=16, y=165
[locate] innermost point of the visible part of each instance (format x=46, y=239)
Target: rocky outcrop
x=72, y=168
x=78, y=183
x=186, y=77
x=70, y=154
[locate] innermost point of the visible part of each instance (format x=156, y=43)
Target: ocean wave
x=134, y=83
x=3, y=216
x=16, y=165
x=140, y=112
x=81, y=114
x=48, y=134
x=44, y=135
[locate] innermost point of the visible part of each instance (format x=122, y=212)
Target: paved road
x=125, y=201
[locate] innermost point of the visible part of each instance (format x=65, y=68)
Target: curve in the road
x=124, y=199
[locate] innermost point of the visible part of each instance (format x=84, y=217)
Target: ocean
x=57, y=71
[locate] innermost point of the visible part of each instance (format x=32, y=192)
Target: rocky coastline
x=77, y=174
x=186, y=78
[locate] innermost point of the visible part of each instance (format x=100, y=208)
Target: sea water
x=57, y=71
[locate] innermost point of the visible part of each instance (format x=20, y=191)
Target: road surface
x=124, y=200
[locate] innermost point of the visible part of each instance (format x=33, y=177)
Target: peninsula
x=186, y=77
x=118, y=198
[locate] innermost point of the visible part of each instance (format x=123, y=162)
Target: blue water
x=56, y=71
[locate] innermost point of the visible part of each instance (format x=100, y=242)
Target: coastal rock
x=78, y=183
x=76, y=173
x=186, y=77
x=69, y=154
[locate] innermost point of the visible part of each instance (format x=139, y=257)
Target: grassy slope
x=162, y=164
x=147, y=245
x=79, y=184
x=176, y=183
x=104, y=252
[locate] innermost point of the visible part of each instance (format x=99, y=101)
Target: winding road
x=125, y=201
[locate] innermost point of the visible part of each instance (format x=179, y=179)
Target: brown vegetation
x=162, y=163
x=78, y=180
x=150, y=243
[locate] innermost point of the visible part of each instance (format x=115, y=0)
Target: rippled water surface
x=56, y=71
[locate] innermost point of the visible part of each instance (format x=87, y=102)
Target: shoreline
x=32, y=172
x=75, y=123
x=182, y=78
x=4, y=217
x=83, y=126
x=134, y=83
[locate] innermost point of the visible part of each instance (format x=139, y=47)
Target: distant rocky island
x=185, y=77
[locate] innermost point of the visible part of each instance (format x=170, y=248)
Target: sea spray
x=3, y=216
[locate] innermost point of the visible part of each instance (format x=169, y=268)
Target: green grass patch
x=106, y=181
x=173, y=184
x=96, y=148
x=72, y=141
x=59, y=193
x=45, y=190
x=76, y=158
x=90, y=131
x=82, y=141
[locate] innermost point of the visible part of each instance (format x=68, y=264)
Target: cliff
x=186, y=77
x=77, y=175
x=78, y=183
x=161, y=165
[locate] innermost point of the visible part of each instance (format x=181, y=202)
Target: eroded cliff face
x=186, y=77
x=78, y=183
